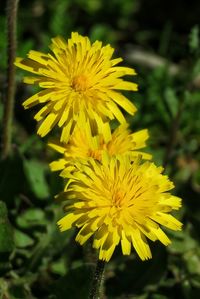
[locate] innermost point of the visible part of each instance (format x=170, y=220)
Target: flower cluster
x=114, y=194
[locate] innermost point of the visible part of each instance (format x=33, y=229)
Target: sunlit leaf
x=31, y=217
x=36, y=178
x=22, y=240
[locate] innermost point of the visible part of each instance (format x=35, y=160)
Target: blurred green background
x=160, y=39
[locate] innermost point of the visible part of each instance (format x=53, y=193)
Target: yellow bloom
x=81, y=81
x=117, y=201
x=82, y=144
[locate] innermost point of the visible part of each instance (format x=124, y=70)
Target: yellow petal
x=66, y=131
x=122, y=101
x=57, y=165
x=67, y=221
x=47, y=124
x=28, y=65
x=125, y=244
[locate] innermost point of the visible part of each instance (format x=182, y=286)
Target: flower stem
x=12, y=6
x=95, y=291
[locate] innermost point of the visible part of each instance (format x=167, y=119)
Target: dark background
x=160, y=39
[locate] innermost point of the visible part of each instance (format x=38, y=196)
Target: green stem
x=12, y=6
x=95, y=291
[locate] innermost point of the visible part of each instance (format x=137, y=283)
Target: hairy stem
x=95, y=291
x=12, y=6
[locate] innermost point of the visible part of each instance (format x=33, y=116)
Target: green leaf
x=192, y=260
x=186, y=287
x=76, y=282
x=182, y=241
x=171, y=100
x=18, y=292
x=6, y=232
x=35, y=173
x=143, y=296
x=158, y=296
x=102, y=32
x=196, y=181
x=11, y=178
x=141, y=275
x=58, y=19
x=194, y=38
x=195, y=281
x=31, y=217
x=196, y=70
x=59, y=267
x=1, y=110
x=21, y=239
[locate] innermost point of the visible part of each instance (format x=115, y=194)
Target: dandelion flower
x=80, y=81
x=82, y=144
x=120, y=202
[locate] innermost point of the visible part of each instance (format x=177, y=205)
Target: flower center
x=80, y=83
x=96, y=154
x=117, y=198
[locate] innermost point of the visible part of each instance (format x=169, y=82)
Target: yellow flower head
x=81, y=81
x=119, y=201
x=82, y=144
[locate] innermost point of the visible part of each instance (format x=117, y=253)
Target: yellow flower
x=82, y=144
x=117, y=201
x=81, y=81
